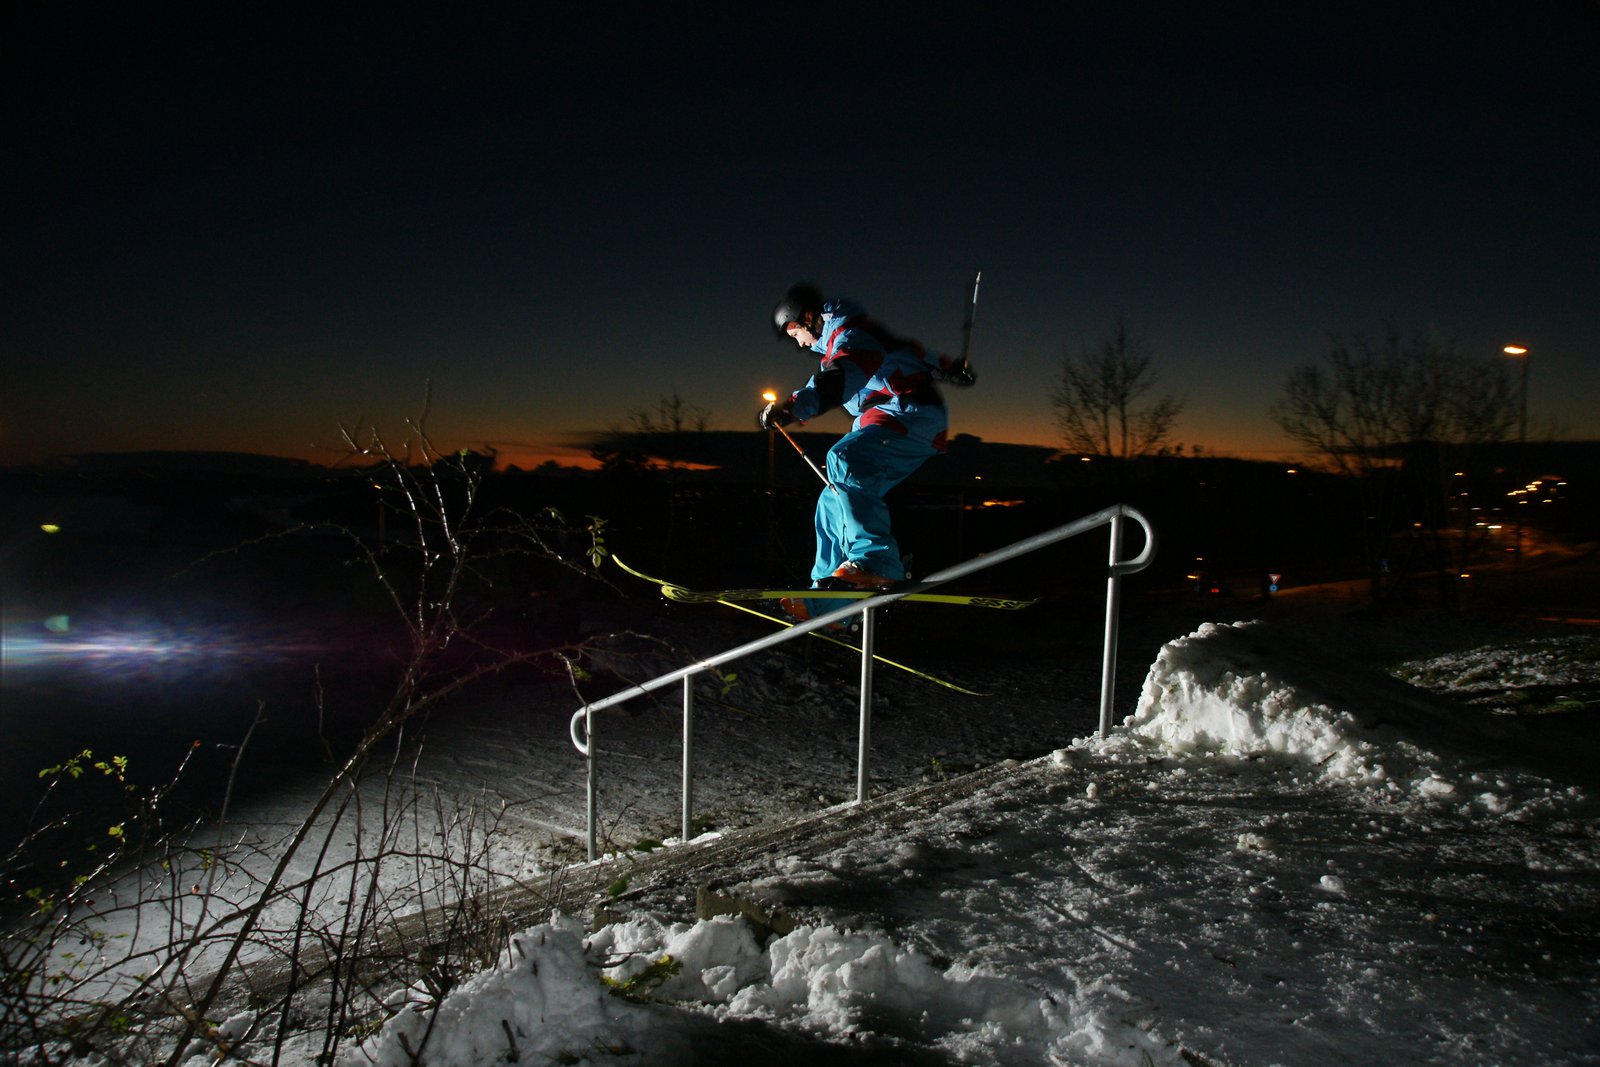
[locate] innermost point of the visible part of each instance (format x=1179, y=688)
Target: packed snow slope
x=1279, y=858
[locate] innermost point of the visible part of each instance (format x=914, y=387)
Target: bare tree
x=672, y=415
x=652, y=433
x=1097, y=396
x=1374, y=408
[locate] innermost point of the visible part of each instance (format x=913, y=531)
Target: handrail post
x=594, y=771
x=869, y=626
x=688, y=755
x=1108, y=663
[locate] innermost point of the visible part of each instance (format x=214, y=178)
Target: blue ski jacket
x=881, y=379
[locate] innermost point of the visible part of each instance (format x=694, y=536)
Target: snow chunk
x=236, y=1027
x=1435, y=786
x=713, y=959
x=833, y=978
x=1253, y=842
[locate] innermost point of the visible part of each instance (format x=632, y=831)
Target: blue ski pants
x=853, y=523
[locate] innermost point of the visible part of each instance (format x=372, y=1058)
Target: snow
x=1274, y=859
x=541, y=995
x=1281, y=856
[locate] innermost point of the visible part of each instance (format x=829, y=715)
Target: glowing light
x=1515, y=350
x=141, y=649
x=105, y=649
x=770, y=397
x=50, y=528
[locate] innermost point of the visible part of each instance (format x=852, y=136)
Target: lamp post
x=1520, y=352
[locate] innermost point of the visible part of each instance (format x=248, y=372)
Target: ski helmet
x=800, y=299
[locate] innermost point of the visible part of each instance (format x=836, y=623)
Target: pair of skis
x=740, y=599
x=685, y=595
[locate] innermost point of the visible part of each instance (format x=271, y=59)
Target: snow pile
x=542, y=1001
x=1209, y=692
x=710, y=961
x=1214, y=694
x=831, y=980
x=1497, y=676
x=556, y=996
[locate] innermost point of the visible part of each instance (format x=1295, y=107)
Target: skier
x=888, y=384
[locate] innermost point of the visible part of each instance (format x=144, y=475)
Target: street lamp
x=772, y=488
x=1520, y=352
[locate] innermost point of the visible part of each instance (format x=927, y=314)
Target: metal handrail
x=1113, y=516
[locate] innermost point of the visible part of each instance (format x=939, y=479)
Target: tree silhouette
x=1097, y=394
x=1398, y=417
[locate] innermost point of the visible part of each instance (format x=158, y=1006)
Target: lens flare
x=142, y=649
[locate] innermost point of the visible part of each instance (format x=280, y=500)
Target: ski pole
x=772, y=398
x=966, y=327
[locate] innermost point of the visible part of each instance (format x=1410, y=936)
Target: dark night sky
x=238, y=231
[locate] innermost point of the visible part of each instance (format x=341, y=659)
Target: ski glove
x=772, y=416
x=959, y=375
